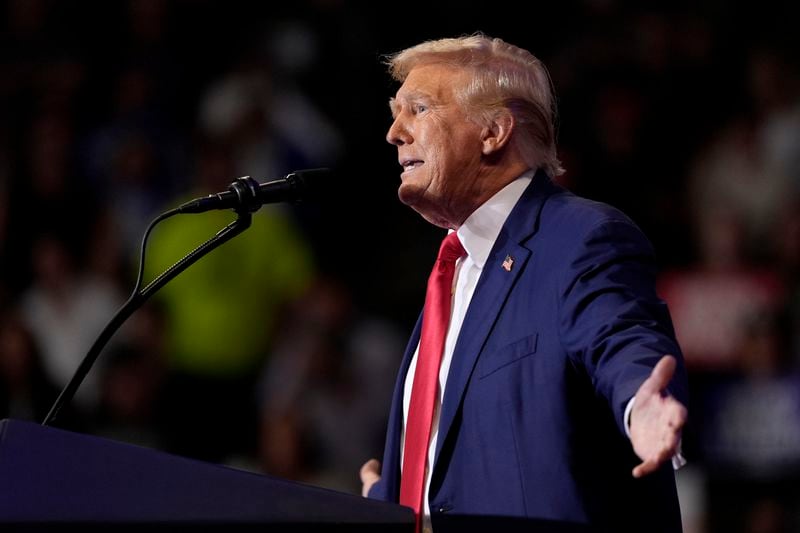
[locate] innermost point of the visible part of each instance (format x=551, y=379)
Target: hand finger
x=644, y=468
x=660, y=376
x=652, y=463
x=648, y=466
x=370, y=468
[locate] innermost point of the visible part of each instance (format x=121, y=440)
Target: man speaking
x=543, y=388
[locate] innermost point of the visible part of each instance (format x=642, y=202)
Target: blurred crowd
x=277, y=352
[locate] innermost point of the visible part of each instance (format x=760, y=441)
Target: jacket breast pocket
x=506, y=355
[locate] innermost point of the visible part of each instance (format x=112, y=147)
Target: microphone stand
x=138, y=297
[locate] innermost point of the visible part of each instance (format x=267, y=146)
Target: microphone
x=247, y=194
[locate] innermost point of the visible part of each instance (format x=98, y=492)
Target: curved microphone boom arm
x=140, y=295
x=245, y=195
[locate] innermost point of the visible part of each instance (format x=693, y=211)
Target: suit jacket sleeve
x=612, y=322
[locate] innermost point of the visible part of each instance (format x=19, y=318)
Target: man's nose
x=398, y=134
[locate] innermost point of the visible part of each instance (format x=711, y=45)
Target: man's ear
x=498, y=133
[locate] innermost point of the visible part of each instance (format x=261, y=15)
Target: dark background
x=686, y=115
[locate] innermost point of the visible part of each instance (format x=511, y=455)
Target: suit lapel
x=391, y=458
x=491, y=293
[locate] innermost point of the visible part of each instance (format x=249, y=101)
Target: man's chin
x=409, y=195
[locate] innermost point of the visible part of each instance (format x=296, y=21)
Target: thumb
x=370, y=474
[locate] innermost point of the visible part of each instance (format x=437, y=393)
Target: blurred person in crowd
x=47, y=189
x=266, y=118
x=132, y=157
x=711, y=298
x=769, y=515
x=4, y=251
x=66, y=307
x=786, y=236
x=750, y=435
x=131, y=382
x=26, y=391
x=555, y=392
x=325, y=390
x=220, y=314
x=749, y=168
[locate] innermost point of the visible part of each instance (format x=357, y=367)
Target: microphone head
x=313, y=184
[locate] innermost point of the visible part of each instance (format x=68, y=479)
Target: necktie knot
x=451, y=249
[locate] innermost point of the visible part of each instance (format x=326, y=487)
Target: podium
x=53, y=479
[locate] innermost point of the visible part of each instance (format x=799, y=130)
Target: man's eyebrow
x=416, y=95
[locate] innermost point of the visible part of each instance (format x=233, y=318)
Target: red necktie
x=435, y=319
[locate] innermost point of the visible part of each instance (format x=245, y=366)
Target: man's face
x=437, y=146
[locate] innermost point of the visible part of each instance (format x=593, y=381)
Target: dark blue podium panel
x=51, y=477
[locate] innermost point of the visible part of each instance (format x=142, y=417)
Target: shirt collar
x=480, y=230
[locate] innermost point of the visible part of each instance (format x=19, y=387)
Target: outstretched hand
x=657, y=419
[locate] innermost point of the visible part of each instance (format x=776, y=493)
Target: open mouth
x=411, y=164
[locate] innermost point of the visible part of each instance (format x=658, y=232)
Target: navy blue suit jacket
x=549, y=354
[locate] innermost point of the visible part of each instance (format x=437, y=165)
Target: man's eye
x=420, y=108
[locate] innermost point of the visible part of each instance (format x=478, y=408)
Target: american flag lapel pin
x=508, y=262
